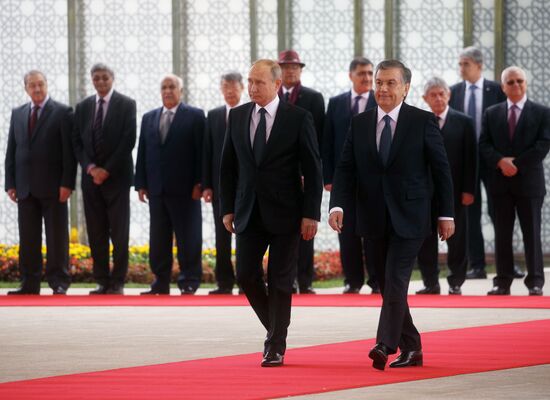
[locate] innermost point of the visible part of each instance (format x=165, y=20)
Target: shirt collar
x=270, y=107
x=443, y=115
x=393, y=113
x=520, y=104
x=478, y=83
x=173, y=109
x=107, y=97
x=354, y=94
x=289, y=90
x=41, y=105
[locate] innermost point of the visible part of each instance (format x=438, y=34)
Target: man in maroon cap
x=293, y=92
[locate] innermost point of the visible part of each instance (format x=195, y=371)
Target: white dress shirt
x=362, y=101
x=271, y=112
x=479, y=102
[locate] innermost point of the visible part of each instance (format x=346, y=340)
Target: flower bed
x=327, y=264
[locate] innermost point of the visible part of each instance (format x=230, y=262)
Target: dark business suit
x=492, y=94
x=107, y=206
x=393, y=206
x=522, y=193
x=460, y=142
x=214, y=135
x=169, y=171
x=269, y=202
x=336, y=127
x=38, y=163
x=312, y=101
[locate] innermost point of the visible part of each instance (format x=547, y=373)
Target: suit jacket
x=492, y=94
x=460, y=142
x=173, y=167
x=403, y=187
x=529, y=146
x=119, y=138
x=276, y=184
x=336, y=127
x=214, y=135
x=43, y=163
x=312, y=101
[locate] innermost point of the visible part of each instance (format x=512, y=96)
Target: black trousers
x=352, y=247
x=107, y=212
x=456, y=255
x=529, y=214
x=179, y=215
x=272, y=304
x=225, y=276
x=394, y=259
x=31, y=212
x=305, y=270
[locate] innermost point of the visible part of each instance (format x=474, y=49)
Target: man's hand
x=446, y=228
x=228, y=222
x=12, y=194
x=196, y=194
x=143, y=195
x=64, y=194
x=335, y=220
x=328, y=187
x=467, y=199
x=309, y=228
x=99, y=175
x=207, y=195
x=507, y=166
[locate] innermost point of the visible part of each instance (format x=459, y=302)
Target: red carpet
x=308, y=370
x=329, y=300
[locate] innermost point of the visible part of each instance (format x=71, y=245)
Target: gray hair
x=435, y=82
x=512, y=68
x=357, y=61
x=406, y=74
x=276, y=72
x=33, y=72
x=472, y=52
x=102, y=67
x=232, y=76
x=175, y=77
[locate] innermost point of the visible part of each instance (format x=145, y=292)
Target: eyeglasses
x=512, y=81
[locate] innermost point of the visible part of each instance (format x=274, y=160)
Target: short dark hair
x=102, y=67
x=357, y=61
x=232, y=76
x=406, y=74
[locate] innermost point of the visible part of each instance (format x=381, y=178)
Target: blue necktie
x=260, y=137
x=355, y=108
x=385, y=140
x=472, y=105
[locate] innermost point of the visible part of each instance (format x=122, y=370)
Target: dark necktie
x=512, y=121
x=385, y=140
x=33, y=119
x=97, y=129
x=472, y=105
x=165, y=123
x=355, y=108
x=260, y=137
x=287, y=95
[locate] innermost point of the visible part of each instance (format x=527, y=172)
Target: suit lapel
x=25, y=121
x=520, y=126
x=177, y=122
x=400, y=132
x=371, y=123
x=460, y=93
x=43, y=116
x=276, y=131
x=155, y=132
x=246, y=130
x=113, y=102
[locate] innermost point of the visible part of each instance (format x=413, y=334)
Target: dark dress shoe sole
x=418, y=363
x=379, y=359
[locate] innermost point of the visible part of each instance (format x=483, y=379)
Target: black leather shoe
x=375, y=290
x=220, y=290
x=535, y=291
x=408, y=359
x=351, y=290
x=436, y=289
x=115, y=289
x=455, y=290
x=272, y=359
x=518, y=273
x=186, y=290
x=23, y=291
x=100, y=289
x=379, y=356
x=307, y=290
x=499, y=291
x=155, y=292
x=60, y=290
x=476, y=274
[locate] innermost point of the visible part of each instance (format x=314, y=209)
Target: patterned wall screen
x=373, y=30
x=34, y=36
x=484, y=34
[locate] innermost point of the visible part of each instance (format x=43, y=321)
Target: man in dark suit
x=391, y=154
x=460, y=143
x=340, y=111
x=168, y=175
x=269, y=146
x=104, y=136
x=514, y=142
x=231, y=87
x=310, y=100
x=472, y=96
x=40, y=176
